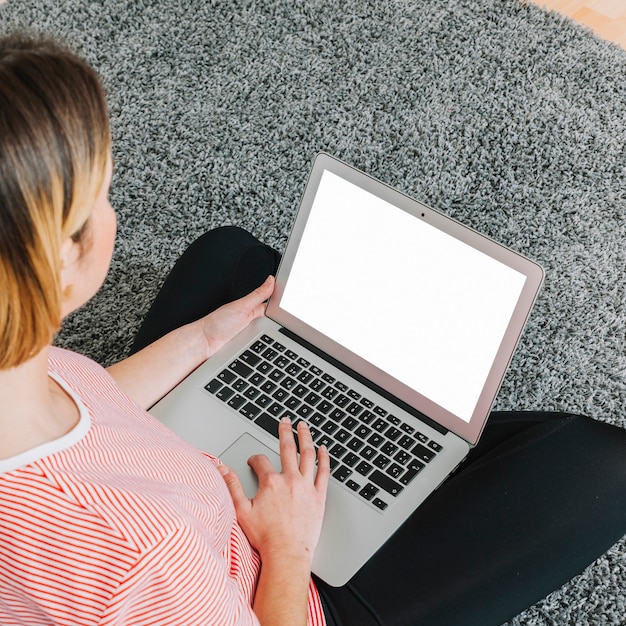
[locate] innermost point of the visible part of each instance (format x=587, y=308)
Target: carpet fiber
x=506, y=117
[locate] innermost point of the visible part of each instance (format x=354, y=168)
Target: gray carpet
x=506, y=117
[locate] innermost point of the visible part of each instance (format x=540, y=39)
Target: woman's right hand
x=285, y=516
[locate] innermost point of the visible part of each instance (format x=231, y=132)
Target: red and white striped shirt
x=121, y=522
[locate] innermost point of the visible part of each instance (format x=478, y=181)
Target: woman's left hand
x=224, y=323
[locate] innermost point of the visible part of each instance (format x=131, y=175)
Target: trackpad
x=237, y=455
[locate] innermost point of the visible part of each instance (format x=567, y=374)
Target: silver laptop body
x=404, y=317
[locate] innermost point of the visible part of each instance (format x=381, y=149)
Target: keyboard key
x=324, y=406
x=239, y=367
x=316, y=418
x=293, y=369
x=303, y=362
x=342, y=473
x=364, y=468
x=354, y=394
x=337, y=451
x=268, y=423
x=264, y=367
x=389, y=448
x=213, y=386
x=275, y=409
x=291, y=354
x=317, y=384
x=394, y=470
x=423, y=453
x=411, y=473
x=330, y=427
x=368, y=453
x=435, y=446
x=281, y=362
x=250, y=410
x=267, y=339
x=227, y=376
x=369, y=491
x=367, y=417
x=224, y=394
x=380, y=411
x=385, y=482
x=268, y=386
x=251, y=393
x=354, y=408
x=258, y=347
x=288, y=383
x=280, y=394
x=362, y=431
x=250, y=358
x=381, y=461
x=407, y=429
x=343, y=435
x=256, y=379
x=329, y=393
x=239, y=384
x=355, y=444
x=342, y=401
x=270, y=354
x=380, y=425
x=263, y=401
x=304, y=377
x=236, y=402
x=392, y=419
x=393, y=433
x=300, y=391
x=406, y=442
x=337, y=415
x=376, y=439
x=312, y=399
x=351, y=459
x=381, y=504
x=350, y=423
x=352, y=485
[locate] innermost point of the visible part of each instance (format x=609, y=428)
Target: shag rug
x=509, y=118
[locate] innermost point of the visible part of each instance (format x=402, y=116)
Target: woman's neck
x=34, y=409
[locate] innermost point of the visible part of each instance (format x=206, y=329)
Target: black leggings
x=538, y=499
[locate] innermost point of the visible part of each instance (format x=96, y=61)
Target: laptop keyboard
x=372, y=452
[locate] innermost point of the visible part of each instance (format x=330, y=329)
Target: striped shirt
x=121, y=522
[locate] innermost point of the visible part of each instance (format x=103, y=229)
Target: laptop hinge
x=364, y=381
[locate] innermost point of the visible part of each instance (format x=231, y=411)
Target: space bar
x=268, y=423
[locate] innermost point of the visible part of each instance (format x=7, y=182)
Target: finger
x=307, y=449
x=261, y=293
x=288, y=449
x=240, y=500
x=323, y=470
x=261, y=465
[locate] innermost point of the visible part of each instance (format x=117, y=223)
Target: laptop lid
x=426, y=309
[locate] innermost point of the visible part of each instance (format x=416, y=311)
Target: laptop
x=390, y=331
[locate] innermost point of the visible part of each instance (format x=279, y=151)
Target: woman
x=109, y=518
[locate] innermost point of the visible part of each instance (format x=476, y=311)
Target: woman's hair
x=54, y=147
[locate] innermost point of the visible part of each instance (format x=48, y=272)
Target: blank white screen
x=411, y=300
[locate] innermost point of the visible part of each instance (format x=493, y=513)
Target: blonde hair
x=54, y=147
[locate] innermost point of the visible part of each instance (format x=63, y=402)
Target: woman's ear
x=70, y=255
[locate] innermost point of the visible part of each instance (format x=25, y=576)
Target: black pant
x=538, y=499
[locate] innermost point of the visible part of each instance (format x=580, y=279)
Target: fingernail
x=223, y=469
x=286, y=420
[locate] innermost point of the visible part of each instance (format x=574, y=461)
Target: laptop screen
x=419, y=304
